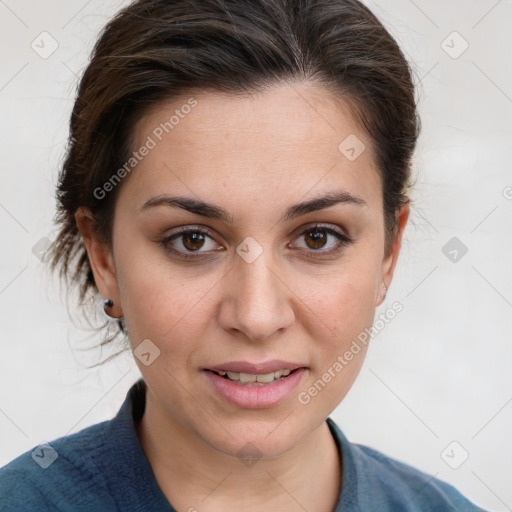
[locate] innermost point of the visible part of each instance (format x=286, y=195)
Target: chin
x=249, y=438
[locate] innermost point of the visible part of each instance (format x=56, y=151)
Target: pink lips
x=250, y=396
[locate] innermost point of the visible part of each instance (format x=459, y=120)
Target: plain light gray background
x=436, y=385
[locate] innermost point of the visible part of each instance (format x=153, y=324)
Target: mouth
x=255, y=390
x=252, y=379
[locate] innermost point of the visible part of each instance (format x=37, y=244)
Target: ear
x=390, y=259
x=101, y=260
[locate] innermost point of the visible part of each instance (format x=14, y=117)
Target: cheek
x=162, y=302
x=343, y=300
x=339, y=310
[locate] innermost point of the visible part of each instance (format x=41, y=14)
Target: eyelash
x=343, y=240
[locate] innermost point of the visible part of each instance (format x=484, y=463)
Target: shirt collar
x=134, y=486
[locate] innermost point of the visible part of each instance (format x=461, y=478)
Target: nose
x=257, y=301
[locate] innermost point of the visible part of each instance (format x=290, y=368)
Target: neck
x=191, y=473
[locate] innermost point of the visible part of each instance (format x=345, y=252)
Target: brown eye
x=323, y=240
x=193, y=240
x=189, y=241
x=316, y=238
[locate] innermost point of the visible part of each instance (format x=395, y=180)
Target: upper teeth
x=249, y=377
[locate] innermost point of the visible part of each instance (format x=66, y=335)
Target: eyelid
x=332, y=228
x=191, y=227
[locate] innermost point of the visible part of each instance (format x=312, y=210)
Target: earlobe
x=100, y=259
x=390, y=260
x=380, y=296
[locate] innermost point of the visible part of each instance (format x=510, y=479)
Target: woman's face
x=252, y=280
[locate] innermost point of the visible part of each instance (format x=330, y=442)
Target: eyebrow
x=209, y=210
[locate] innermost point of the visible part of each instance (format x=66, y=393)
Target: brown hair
x=155, y=50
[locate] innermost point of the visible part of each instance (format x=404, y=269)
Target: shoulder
x=101, y=468
x=410, y=487
x=374, y=481
x=63, y=474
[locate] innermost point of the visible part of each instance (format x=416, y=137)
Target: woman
x=235, y=189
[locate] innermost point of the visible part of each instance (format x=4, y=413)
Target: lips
x=254, y=395
x=256, y=368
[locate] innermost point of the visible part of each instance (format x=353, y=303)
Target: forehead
x=286, y=138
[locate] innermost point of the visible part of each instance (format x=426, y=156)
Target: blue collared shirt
x=103, y=468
